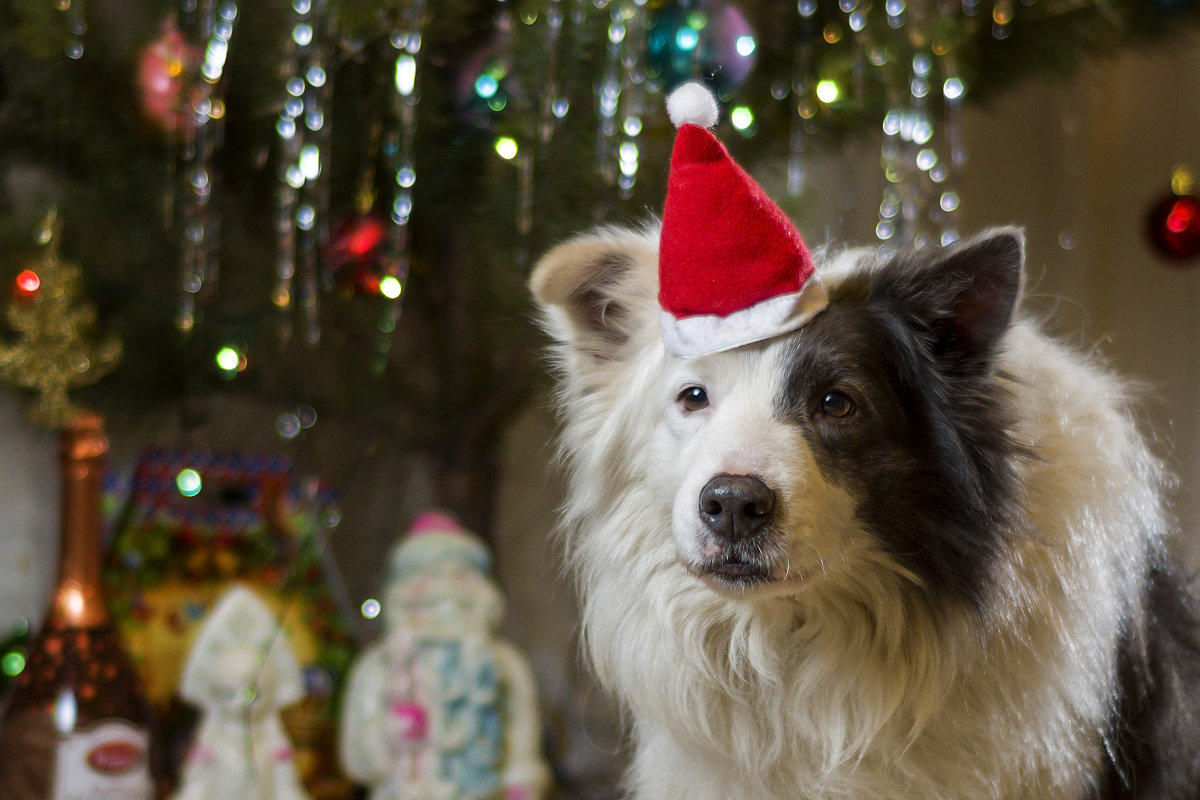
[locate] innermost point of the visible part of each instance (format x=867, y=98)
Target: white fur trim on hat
x=704, y=334
x=693, y=104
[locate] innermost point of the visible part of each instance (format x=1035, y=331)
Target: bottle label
x=108, y=761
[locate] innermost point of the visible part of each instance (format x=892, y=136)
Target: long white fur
x=845, y=685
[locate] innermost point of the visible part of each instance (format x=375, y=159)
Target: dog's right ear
x=597, y=290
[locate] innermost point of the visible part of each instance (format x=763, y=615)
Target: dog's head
x=873, y=441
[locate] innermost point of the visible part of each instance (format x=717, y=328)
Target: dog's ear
x=967, y=298
x=986, y=275
x=597, y=290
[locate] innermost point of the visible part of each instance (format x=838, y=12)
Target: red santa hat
x=732, y=268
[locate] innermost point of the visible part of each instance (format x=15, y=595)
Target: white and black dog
x=913, y=549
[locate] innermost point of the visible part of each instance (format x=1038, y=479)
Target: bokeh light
x=486, y=86
x=28, y=284
x=390, y=287
x=506, y=148
x=188, y=482
x=229, y=359
x=741, y=118
x=13, y=663
x=828, y=91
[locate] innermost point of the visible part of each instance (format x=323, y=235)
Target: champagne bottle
x=77, y=723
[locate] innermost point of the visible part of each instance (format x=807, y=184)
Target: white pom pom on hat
x=692, y=104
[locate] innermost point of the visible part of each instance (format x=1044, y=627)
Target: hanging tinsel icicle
x=200, y=223
x=803, y=109
x=947, y=172
x=922, y=150
x=554, y=101
x=76, y=27
x=521, y=153
x=302, y=199
x=621, y=95
x=553, y=108
x=633, y=73
x=399, y=140
x=608, y=94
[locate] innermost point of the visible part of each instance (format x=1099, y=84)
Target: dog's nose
x=736, y=506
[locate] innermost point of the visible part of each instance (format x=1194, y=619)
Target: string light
x=291, y=424
x=486, y=86
x=27, y=284
x=741, y=118
x=231, y=360
x=66, y=711
x=371, y=608
x=287, y=425
x=13, y=663
x=189, y=482
x=828, y=91
x=506, y=148
x=390, y=287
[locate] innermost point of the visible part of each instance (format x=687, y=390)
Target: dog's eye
x=837, y=405
x=693, y=398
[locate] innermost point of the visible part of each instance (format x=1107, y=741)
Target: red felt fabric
x=724, y=245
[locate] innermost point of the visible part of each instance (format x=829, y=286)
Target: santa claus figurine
x=441, y=708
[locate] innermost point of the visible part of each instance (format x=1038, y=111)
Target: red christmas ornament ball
x=1174, y=226
x=356, y=253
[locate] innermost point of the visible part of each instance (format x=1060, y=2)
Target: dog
x=913, y=549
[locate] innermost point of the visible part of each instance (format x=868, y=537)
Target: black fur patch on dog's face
x=915, y=430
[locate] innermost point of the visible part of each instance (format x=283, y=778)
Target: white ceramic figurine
x=440, y=708
x=241, y=672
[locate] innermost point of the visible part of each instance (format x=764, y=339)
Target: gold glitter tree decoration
x=53, y=352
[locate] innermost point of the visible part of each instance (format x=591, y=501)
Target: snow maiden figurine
x=241, y=673
x=440, y=708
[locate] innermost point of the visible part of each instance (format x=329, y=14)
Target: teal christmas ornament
x=712, y=42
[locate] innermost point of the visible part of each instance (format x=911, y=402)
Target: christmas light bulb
x=188, y=482
x=28, y=284
x=741, y=118
x=506, y=148
x=228, y=359
x=390, y=287
x=371, y=608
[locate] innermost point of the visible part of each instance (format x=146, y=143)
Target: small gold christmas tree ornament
x=53, y=352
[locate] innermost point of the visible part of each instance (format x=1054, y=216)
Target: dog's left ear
x=971, y=294
x=597, y=290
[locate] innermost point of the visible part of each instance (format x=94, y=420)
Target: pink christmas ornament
x=162, y=77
